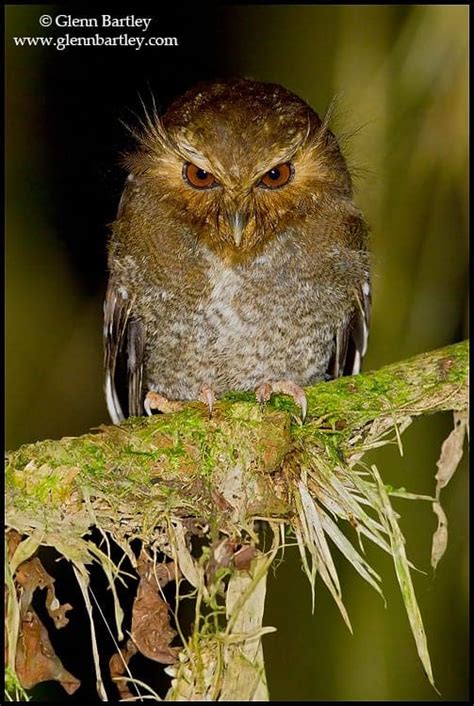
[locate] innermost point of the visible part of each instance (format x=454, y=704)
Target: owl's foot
x=207, y=395
x=154, y=400
x=283, y=387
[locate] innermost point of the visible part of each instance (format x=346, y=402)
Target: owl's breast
x=271, y=320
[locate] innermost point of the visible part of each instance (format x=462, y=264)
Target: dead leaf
x=220, y=502
x=31, y=575
x=243, y=557
x=118, y=666
x=151, y=630
x=440, y=537
x=451, y=451
x=36, y=660
x=13, y=540
x=451, y=454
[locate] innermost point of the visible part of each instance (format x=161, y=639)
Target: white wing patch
x=116, y=312
x=352, y=337
x=365, y=315
x=113, y=405
x=357, y=363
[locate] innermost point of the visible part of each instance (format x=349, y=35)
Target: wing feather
x=351, y=338
x=123, y=335
x=135, y=354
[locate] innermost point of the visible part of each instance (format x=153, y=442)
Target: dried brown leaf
x=451, y=454
x=36, y=660
x=118, y=666
x=243, y=557
x=451, y=451
x=32, y=575
x=151, y=630
x=13, y=540
x=440, y=537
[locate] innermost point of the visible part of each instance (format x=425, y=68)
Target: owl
x=238, y=259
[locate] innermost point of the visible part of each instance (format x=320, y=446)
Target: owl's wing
x=124, y=346
x=351, y=338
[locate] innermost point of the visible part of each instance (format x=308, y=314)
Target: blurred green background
x=400, y=75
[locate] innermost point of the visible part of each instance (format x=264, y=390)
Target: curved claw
x=284, y=387
x=206, y=395
x=154, y=400
x=304, y=407
x=264, y=392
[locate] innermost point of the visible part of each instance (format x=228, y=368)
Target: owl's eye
x=198, y=178
x=277, y=177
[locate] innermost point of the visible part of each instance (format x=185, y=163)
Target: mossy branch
x=161, y=479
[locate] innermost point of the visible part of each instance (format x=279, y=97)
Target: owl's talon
x=206, y=395
x=264, y=392
x=283, y=387
x=154, y=400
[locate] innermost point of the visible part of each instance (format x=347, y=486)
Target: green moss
x=192, y=453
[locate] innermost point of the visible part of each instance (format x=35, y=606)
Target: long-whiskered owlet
x=238, y=260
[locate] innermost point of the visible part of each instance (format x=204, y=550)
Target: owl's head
x=241, y=161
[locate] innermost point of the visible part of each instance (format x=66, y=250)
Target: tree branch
x=161, y=479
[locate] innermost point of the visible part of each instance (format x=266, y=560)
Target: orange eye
x=199, y=178
x=278, y=176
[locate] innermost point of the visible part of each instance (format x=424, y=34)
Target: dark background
x=400, y=75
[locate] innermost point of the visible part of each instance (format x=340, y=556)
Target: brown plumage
x=238, y=257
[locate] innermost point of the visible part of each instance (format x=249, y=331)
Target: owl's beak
x=237, y=222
